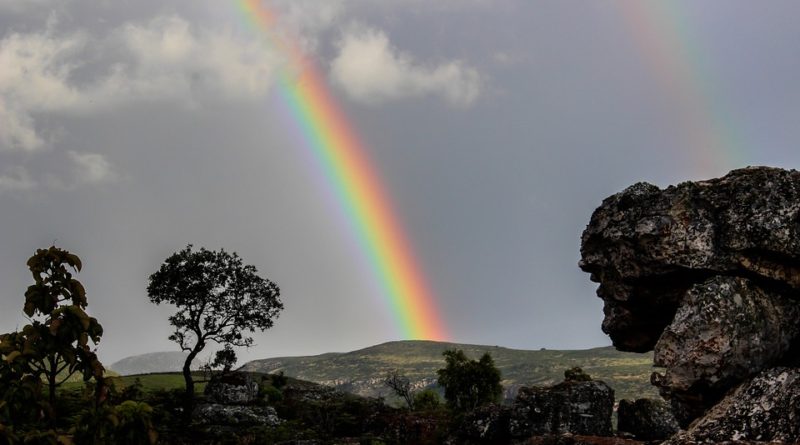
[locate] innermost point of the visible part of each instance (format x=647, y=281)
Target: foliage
x=467, y=383
x=279, y=380
x=55, y=345
x=401, y=386
x=51, y=349
x=427, y=400
x=576, y=374
x=224, y=359
x=218, y=299
x=135, y=423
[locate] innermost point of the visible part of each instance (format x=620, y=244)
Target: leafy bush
x=427, y=400
x=467, y=383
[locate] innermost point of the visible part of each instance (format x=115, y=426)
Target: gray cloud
x=164, y=59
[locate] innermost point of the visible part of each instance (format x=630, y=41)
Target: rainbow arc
x=352, y=177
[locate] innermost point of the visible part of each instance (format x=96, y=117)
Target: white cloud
x=34, y=78
x=165, y=59
x=372, y=71
x=91, y=168
x=16, y=179
x=171, y=59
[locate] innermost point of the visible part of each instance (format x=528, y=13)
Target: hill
x=361, y=372
x=149, y=363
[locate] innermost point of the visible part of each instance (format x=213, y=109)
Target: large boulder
x=235, y=415
x=646, y=246
x=764, y=409
x=646, y=419
x=706, y=273
x=726, y=329
x=577, y=407
x=236, y=388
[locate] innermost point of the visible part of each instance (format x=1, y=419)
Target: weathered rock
x=707, y=273
x=726, y=329
x=235, y=415
x=234, y=388
x=766, y=408
x=646, y=246
x=569, y=407
x=646, y=419
x=485, y=425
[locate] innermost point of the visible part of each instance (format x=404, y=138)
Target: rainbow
x=668, y=46
x=350, y=173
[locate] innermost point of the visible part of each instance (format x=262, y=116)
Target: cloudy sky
x=129, y=129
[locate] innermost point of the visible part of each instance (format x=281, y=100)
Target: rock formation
x=707, y=274
x=646, y=419
x=579, y=406
x=232, y=402
x=236, y=388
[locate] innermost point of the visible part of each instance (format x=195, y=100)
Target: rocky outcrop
x=707, y=274
x=232, y=401
x=236, y=388
x=726, y=329
x=235, y=415
x=646, y=419
x=579, y=406
x=766, y=408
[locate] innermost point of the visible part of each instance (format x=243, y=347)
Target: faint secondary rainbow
x=670, y=47
x=351, y=175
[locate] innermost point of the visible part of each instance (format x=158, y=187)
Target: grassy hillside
x=152, y=362
x=361, y=371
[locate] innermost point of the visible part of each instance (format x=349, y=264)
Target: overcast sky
x=129, y=129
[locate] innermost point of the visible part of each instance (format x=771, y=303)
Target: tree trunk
x=187, y=377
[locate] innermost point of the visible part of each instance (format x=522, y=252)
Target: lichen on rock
x=706, y=273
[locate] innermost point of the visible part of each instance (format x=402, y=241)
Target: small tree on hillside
x=224, y=359
x=467, y=383
x=218, y=299
x=401, y=386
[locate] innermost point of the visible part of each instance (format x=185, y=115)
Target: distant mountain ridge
x=362, y=371
x=170, y=361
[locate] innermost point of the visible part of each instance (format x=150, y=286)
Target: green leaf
x=74, y=261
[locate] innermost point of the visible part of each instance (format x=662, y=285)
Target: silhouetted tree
x=218, y=299
x=224, y=359
x=400, y=385
x=467, y=383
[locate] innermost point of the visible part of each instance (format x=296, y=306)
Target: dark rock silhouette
x=708, y=275
x=646, y=419
x=576, y=407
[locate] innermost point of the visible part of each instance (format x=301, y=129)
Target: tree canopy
x=467, y=383
x=55, y=344
x=218, y=299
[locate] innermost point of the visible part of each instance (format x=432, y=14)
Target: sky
x=129, y=129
